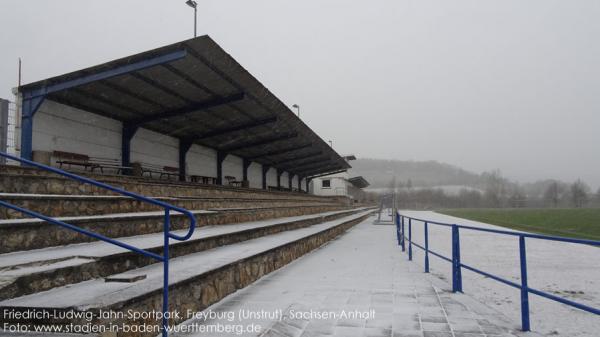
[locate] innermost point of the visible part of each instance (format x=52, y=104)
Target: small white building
x=339, y=184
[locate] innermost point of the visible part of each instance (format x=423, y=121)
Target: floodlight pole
x=296, y=106
x=195, y=20
x=194, y=5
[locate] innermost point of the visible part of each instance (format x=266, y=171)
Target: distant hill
x=380, y=172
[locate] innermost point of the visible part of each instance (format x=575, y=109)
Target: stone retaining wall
x=24, y=236
x=119, y=263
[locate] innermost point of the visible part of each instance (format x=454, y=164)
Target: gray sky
x=505, y=84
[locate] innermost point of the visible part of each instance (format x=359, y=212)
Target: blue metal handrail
x=164, y=258
x=457, y=265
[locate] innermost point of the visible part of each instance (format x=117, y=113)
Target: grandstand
x=183, y=124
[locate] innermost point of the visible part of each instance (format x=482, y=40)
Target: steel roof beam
x=211, y=103
x=308, y=163
x=241, y=127
x=106, y=74
x=260, y=142
x=280, y=152
x=288, y=161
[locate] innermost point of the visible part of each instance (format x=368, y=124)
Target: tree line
x=495, y=191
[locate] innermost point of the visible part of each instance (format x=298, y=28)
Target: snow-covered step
x=196, y=280
x=26, y=234
x=42, y=269
x=55, y=205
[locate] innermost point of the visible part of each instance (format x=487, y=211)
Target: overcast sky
x=513, y=85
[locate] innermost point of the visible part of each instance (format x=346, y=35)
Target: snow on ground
x=362, y=270
x=563, y=269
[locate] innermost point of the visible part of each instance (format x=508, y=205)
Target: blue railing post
x=524, y=288
x=409, y=239
x=456, y=267
x=165, y=321
x=403, y=232
x=397, y=222
x=426, y=248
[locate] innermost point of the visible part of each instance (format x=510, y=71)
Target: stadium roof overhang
x=196, y=92
x=359, y=182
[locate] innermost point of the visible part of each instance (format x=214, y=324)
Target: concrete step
x=27, y=234
x=34, y=181
x=37, y=270
x=56, y=205
x=196, y=280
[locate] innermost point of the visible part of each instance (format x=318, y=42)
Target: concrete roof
x=203, y=97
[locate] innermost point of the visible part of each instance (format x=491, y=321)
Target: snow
x=97, y=293
x=100, y=249
x=568, y=270
x=111, y=216
x=362, y=270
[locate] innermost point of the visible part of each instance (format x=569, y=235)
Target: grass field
x=577, y=223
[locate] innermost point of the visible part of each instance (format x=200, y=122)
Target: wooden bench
x=203, y=179
x=231, y=181
x=76, y=159
x=168, y=171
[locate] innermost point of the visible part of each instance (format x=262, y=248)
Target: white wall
x=154, y=148
x=233, y=166
x=272, y=177
x=201, y=161
x=339, y=185
x=57, y=127
x=255, y=175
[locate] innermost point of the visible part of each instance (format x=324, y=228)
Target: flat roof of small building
x=194, y=91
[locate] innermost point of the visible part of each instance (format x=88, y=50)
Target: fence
x=8, y=143
x=167, y=235
x=457, y=265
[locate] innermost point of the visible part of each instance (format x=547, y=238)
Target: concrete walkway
x=358, y=285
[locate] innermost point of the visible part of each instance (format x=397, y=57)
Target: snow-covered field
x=563, y=269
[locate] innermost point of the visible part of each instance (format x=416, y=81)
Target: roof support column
x=30, y=107
x=300, y=183
x=184, y=147
x=221, y=155
x=246, y=165
x=265, y=169
x=290, y=178
x=307, y=184
x=127, y=134
x=279, y=173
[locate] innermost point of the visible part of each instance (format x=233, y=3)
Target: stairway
x=243, y=234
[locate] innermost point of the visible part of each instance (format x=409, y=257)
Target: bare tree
x=579, y=193
x=495, y=188
x=517, y=198
x=553, y=193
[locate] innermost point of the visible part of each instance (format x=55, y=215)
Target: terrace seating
x=231, y=181
x=71, y=159
x=46, y=267
x=162, y=171
x=203, y=179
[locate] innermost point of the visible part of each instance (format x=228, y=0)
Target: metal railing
x=164, y=258
x=457, y=265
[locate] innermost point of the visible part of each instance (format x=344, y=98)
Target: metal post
x=30, y=107
x=426, y=248
x=403, y=234
x=165, y=309
x=195, y=19
x=456, y=268
x=397, y=222
x=184, y=147
x=409, y=239
x=220, y=158
x=3, y=128
x=524, y=288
